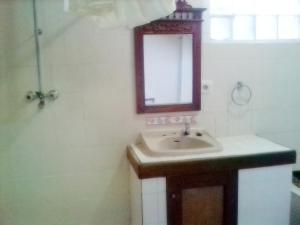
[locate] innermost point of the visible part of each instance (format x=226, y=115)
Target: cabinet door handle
x=173, y=196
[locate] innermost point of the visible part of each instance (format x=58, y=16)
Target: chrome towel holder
x=236, y=94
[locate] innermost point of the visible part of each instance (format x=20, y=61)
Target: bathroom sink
x=172, y=142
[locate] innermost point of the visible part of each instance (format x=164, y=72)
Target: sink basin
x=172, y=142
x=181, y=143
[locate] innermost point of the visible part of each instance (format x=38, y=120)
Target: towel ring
x=237, y=89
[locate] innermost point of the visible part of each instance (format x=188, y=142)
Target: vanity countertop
x=239, y=152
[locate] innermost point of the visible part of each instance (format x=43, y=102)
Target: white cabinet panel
x=136, y=199
x=264, y=196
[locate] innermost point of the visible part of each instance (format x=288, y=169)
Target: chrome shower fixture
x=42, y=97
x=39, y=95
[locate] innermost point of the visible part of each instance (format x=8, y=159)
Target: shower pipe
x=40, y=95
x=37, y=32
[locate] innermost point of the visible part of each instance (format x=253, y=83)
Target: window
x=247, y=20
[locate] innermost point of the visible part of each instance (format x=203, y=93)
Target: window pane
x=266, y=7
x=288, y=27
x=221, y=7
x=288, y=7
x=220, y=28
x=255, y=19
x=243, y=28
x=266, y=27
x=244, y=7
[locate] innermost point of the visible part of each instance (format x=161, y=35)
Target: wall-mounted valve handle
x=52, y=95
x=31, y=96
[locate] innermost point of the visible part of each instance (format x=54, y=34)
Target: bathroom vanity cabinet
x=251, y=187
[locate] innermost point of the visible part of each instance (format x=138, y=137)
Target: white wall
x=272, y=72
x=66, y=164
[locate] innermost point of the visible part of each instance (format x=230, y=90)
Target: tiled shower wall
x=66, y=165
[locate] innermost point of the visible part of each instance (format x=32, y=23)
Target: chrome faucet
x=187, y=128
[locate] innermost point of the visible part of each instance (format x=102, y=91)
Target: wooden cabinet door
x=206, y=199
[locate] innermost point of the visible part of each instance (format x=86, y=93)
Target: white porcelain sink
x=173, y=142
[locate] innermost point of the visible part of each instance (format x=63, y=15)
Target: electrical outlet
x=206, y=86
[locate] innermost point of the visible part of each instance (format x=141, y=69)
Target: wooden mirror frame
x=184, y=20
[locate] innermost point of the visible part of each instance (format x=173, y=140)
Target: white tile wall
x=79, y=141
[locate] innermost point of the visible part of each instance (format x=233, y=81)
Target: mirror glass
x=168, y=69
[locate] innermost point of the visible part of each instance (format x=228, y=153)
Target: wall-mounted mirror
x=168, y=61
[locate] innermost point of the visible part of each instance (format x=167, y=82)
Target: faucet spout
x=187, y=129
